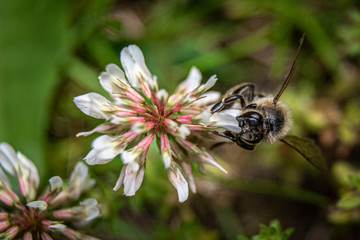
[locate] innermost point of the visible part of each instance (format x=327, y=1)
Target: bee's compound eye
x=254, y=119
x=251, y=119
x=253, y=122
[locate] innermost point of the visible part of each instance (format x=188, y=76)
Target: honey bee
x=265, y=119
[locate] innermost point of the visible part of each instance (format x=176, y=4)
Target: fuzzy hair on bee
x=277, y=119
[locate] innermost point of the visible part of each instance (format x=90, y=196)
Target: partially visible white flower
x=140, y=113
x=34, y=215
x=20, y=166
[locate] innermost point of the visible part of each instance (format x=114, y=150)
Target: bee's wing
x=308, y=149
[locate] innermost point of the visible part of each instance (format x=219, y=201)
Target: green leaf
x=349, y=201
x=355, y=181
x=273, y=232
x=32, y=43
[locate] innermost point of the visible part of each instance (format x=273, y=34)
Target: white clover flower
x=39, y=217
x=139, y=113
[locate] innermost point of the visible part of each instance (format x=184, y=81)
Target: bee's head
x=251, y=124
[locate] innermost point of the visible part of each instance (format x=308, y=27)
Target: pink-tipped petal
x=28, y=236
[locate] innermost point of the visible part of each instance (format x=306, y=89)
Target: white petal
x=78, y=175
x=92, y=213
x=166, y=157
x=89, y=202
x=127, y=177
x=187, y=168
x=29, y=165
x=225, y=121
x=184, y=131
x=205, y=157
x=58, y=227
x=102, y=141
x=133, y=179
x=191, y=82
x=120, y=180
x=204, y=117
x=108, y=82
x=131, y=176
x=104, y=150
x=232, y=112
x=102, y=128
x=55, y=183
x=112, y=77
x=41, y=205
x=95, y=157
x=114, y=70
x=93, y=104
x=131, y=155
x=179, y=182
x=139, y=128
x=133, y=63
x=208, y=98
x=4, y=180
x=8, y=158
x=91, y=208
x=210, y=83
x=162, y=95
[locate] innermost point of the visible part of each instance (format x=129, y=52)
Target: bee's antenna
x=289, y=76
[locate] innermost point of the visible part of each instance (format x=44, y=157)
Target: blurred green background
x=52, y=51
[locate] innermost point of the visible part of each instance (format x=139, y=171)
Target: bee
x=264, y=119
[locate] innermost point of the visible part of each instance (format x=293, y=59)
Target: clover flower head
x=140, y=113
x=33, y=216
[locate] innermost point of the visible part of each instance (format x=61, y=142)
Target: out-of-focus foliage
x=273, y=232
x=51, y=51
x=347, y=208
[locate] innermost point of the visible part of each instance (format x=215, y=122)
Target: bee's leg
x=242, y=89
x=227, y=102
x=227, y=134
x=234, y=137
x=244, y=144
